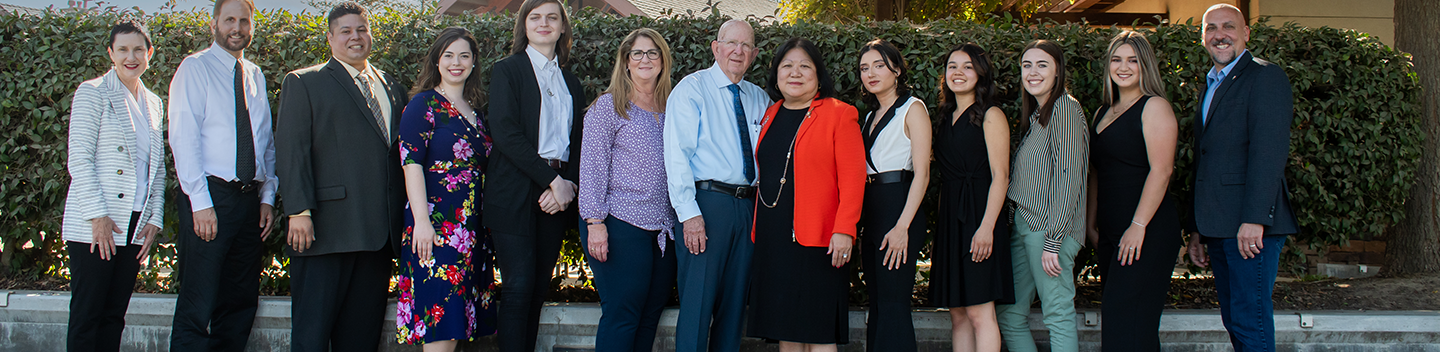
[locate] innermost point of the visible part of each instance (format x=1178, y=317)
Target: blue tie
x=749, y=154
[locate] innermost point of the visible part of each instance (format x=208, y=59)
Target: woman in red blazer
x=809, y=150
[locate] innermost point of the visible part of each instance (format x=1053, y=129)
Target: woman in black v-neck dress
x=970, y=261
x=1133, y=216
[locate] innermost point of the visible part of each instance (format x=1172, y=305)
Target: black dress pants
x=888, y=325
x=338, y=300
x=526, y=262
x=100, y=293
x=219, y=279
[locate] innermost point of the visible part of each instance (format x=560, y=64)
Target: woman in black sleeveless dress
x=969, y=274
x=1131, y=213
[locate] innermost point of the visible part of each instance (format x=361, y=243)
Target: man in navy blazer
x=1241, y=208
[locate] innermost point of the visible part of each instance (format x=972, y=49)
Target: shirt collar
x=538, y=60
x=369, y=69
x=222, y=55
x=717, y=76
x=1219, y=75
x=113, y=79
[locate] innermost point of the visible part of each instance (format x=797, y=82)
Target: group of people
x=690, y=185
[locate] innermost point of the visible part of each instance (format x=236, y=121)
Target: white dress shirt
x=140, y=121
x=202, y=124
x=556, y=111
x=377, y=88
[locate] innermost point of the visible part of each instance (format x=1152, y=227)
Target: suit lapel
x=1225, y=85
x=342, y=77
x=120, y=109
x=809, y=121
x=397, y=104
x=530, y=97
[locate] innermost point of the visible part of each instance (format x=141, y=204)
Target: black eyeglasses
x=651, y=54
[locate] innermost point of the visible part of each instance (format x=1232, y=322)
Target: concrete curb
x=36, y=321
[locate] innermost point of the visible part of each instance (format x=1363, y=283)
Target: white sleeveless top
x=891, y=150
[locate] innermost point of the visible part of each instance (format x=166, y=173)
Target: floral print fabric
x=448, y=297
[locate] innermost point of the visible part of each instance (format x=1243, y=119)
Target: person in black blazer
x=342, y=186
x=536, y=113
x=1241, y=209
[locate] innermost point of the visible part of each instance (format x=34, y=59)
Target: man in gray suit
x=1241, y=210
x=341, y=187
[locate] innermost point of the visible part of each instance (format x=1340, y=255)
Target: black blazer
x=1241, y=153
x=516, y=175
x=332, y=159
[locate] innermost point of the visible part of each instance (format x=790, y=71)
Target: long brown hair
x=620, y=83
x=1149, y=67
x=562, y=46
x=1028, y=102
x=430, y=71
x=984, y=84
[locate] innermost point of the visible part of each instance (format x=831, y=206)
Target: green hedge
x=1355, y=141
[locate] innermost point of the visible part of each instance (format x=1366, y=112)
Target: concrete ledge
x=36, y=321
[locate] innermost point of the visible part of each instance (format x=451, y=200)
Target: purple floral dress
x=450, y=296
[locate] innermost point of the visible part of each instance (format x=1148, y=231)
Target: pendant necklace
x=786, y=170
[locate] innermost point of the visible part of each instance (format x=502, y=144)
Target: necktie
x=244, y=140
x=374, y=104
x=743, y=126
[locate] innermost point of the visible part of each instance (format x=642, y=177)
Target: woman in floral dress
x=447, y=270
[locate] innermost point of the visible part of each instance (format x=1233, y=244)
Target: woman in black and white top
x=1048, y=188
x=536, y=115
x=117, y=170
x=897, y=144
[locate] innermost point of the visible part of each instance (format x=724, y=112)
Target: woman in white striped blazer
x=117, y=182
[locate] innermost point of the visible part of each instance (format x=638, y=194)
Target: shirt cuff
x=303, y=213
x=1052, y=244
x=687, y=210
x=200, y=202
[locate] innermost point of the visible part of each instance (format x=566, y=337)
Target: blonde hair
x=620, y=83
x=1150, y=83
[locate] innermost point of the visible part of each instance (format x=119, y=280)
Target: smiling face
x=544, y=24
x=796, y=76
x=456, y=63
x=960, y=76
x=349, y=38
x=130, y=55
x=1125, y=67
x=734, y=49
x=1037, y=73
x=1224, y=35
x=641, y=66
x=876, y=74
x=233, y=26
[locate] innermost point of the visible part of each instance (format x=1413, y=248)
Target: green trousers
x=1057, y=294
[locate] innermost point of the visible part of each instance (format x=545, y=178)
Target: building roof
x=20, y=9
x=732, y=8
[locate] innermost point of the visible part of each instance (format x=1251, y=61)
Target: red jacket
x=829, y=165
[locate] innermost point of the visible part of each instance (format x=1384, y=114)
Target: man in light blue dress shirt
x=711, y=125
x=1241, y=213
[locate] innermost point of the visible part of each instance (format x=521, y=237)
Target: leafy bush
x=1355, y=141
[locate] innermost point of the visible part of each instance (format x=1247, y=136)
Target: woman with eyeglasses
x=629, y=223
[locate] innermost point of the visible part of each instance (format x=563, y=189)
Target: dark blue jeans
x=1245, y=287
x=634, y=284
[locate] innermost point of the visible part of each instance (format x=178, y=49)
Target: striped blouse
x=1048, y=177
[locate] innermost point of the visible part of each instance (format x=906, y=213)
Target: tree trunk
x=1414, y=245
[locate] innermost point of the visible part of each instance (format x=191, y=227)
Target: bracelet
x=1137, y=223
x=597, y=222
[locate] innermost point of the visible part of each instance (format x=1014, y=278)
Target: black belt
x=556, y=164
x=737, y=191
x=244, y=187
x=891, y=177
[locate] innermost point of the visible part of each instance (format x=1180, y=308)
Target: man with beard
x=1241, y=210
x=225, y=159
x=336, y=139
